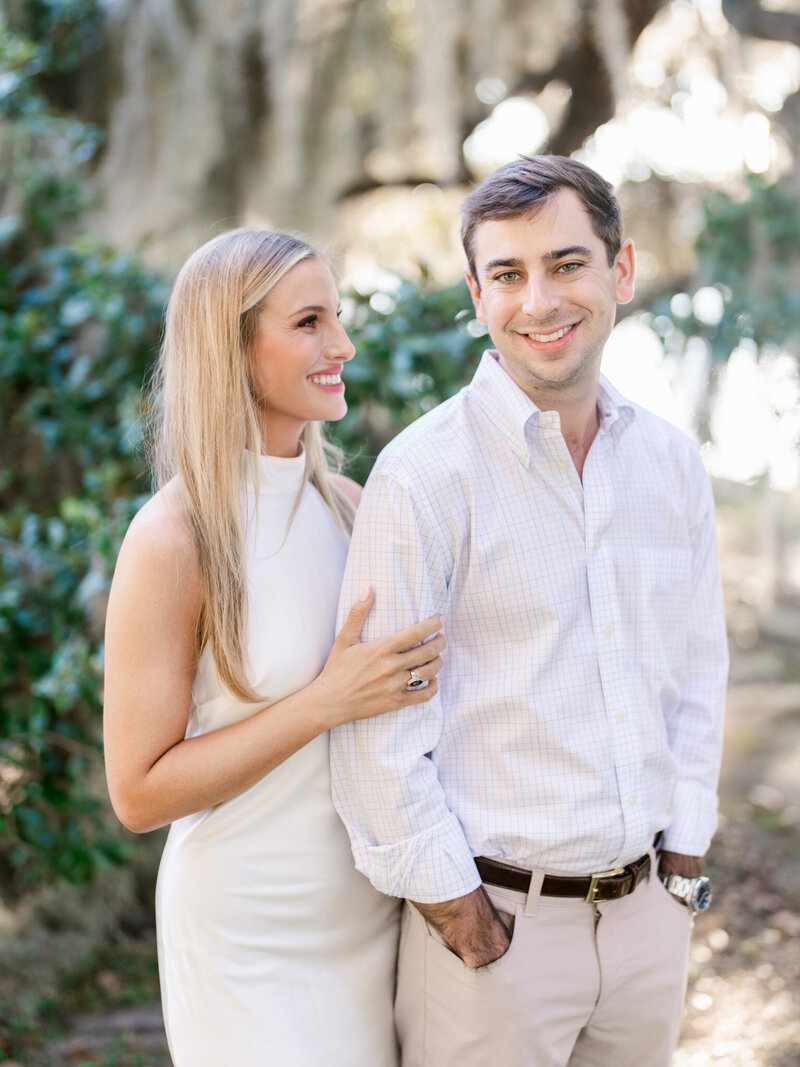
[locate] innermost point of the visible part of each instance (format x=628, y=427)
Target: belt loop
x=652, y=852
x=534, y=892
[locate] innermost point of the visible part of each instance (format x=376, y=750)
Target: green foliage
x=78, y=327
x=414, y=349
x=53, y=573
x=42, y=152
x=748, y=251
x=56, y=36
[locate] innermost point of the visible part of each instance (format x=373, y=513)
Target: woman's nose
x=341, y=348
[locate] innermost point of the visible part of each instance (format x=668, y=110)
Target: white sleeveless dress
x=273, y=949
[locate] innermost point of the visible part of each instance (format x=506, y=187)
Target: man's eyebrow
x=562, y=253
x=510, y=262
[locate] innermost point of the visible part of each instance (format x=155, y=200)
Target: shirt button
x=596, y=546
x=632, y=801
x=608, y=631
x=620, y=716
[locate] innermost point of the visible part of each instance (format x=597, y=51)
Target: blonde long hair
x=206, y=421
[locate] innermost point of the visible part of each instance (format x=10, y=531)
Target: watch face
x=701, y=896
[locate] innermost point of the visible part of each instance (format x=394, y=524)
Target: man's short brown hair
x=522, y=187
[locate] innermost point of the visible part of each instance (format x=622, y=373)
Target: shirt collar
x=513, y=412
x=503, y=402
x=612, y=408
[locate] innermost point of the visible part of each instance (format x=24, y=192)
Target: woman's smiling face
x=297, y=355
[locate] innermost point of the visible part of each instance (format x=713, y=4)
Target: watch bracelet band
x=687, y=890
x=678, y=884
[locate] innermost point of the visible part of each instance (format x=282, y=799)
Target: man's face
x=544, y=287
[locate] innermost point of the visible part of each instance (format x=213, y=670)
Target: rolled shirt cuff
x=432, y=866
x=694, y=822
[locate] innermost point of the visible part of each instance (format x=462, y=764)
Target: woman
x=273, y=949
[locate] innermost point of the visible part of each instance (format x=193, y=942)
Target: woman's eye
x=310, y=321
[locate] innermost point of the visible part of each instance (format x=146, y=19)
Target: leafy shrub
x=78, y=328
x=53, y=571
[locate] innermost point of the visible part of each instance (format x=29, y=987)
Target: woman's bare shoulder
x=160, y=541
x=352, y=490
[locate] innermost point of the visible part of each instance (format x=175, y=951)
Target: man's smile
x=555, y=339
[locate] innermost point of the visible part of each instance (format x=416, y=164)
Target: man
x=568, y=537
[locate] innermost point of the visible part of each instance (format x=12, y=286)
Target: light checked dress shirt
x=580, y=704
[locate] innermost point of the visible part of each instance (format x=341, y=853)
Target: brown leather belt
x=608, y=885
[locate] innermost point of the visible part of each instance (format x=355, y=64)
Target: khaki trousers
x=581, y=985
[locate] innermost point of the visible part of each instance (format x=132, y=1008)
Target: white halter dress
x=273, y=949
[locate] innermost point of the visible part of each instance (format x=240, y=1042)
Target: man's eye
x=569, y=268
x=507, y=276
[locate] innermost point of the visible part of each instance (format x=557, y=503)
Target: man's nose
x=541, y=297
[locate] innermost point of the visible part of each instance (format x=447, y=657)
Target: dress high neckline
x=276, y=474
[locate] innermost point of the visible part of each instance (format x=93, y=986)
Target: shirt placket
x=559, y=470
x=612, y=652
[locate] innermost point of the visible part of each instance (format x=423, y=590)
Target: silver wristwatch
x=694, y=892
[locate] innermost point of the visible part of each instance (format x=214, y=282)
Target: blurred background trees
x=132, y=130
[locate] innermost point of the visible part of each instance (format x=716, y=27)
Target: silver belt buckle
x=591, y=896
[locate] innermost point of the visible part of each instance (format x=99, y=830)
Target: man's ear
x=625, y=268
x=477, y=297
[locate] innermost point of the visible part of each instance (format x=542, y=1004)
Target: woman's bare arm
x=155, y=775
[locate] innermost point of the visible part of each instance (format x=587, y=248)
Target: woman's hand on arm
x=154, y=774
x=362, y=679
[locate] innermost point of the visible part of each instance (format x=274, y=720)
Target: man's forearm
x=470, y=926
x=677, y=863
